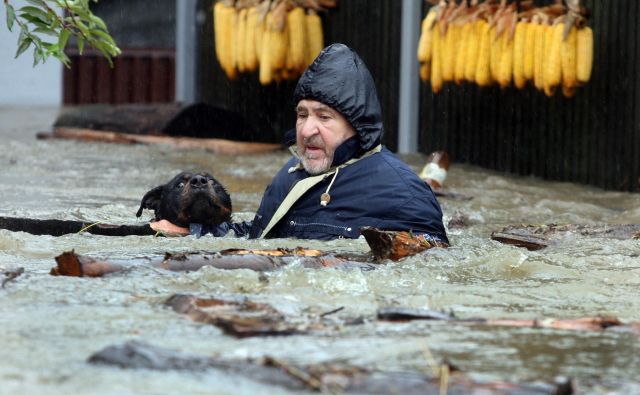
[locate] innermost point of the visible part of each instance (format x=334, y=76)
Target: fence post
x=185, y=51
x=409, y=82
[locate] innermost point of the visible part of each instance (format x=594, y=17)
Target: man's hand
x=168, y=229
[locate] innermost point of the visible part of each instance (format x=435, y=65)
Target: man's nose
x=309, y=127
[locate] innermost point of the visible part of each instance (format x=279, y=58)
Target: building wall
x=20, y=82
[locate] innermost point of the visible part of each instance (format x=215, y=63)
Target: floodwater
x=51, y=325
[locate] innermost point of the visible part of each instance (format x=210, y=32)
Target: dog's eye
x=180, y=185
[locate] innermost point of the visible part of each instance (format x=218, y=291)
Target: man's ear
x=151, y=200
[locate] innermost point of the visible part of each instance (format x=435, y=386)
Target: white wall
x=20, y=82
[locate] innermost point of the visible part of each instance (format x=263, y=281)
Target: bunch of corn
x=488, y=43
x=278, y=39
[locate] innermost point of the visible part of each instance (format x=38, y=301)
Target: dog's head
x=189, y=198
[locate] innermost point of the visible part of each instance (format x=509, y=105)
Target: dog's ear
x=151, y=200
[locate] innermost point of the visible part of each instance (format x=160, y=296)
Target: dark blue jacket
x=379, y=190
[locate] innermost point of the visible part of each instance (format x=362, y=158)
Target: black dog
x=189, y=198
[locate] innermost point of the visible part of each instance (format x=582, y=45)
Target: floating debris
x=72, y=264
x=326, y=377
x=10, y=275
x=537, y=237
x=396, y=245
x=237, y=318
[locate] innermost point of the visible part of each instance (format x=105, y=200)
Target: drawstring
x=325, y=198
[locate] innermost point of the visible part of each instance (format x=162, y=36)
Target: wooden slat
x=133, y=79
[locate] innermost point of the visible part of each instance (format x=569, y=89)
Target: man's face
x=319, y=131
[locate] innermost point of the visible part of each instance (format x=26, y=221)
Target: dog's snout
x=198, y=181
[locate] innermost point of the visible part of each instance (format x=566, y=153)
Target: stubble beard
x=311, y=161
x=315, y=167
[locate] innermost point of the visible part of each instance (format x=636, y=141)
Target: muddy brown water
x=50, y=325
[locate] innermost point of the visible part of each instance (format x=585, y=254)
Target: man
x=340, y=177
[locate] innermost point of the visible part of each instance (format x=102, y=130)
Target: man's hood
x=340, y=79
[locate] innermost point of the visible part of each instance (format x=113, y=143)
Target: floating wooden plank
x=57, y=227
x=327, y=377
x=215, y=145
x=395, y=245
x=237, y=318
x=536, y=237
x=531, y=243
x=71, y=264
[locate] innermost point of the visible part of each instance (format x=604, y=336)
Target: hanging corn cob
x=506, y=43
x=224, y=17
x=276, y=38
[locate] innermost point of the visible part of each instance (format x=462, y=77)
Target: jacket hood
x=341, y=80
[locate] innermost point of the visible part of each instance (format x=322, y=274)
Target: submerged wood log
x=396, y=245
x=215, y=145
x=237, y=318
x=535, y=237
x=57, y=227
x=168, y=119
x=71, y=264
x=327, y=377
x=592, y=324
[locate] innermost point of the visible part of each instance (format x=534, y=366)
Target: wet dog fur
x=189, y=198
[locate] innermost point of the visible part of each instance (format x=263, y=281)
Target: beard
x=316, y=162
x=314, y=166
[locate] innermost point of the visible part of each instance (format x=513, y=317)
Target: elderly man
x=341, y=178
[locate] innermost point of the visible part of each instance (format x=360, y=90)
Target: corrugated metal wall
x=370, y=27
x=593, y=138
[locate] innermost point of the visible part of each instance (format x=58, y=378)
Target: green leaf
x=24, y=33
x=51, y=47
x=36, y=56
x=82, y=28
x=47, y=31
x=23, y=45
x=37, y=13
x=98, y=21
x=80, y=42
x=11, y=16
x=63, y=58
x=104, y=36
x=38, y=3
x=64, y=38
x=33, y=20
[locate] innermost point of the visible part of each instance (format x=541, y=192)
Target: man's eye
x=302, y=116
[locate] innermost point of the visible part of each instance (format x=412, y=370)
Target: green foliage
x=47, y=25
